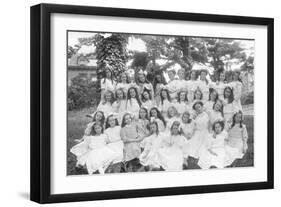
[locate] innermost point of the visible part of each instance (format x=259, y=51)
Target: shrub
x=83, y=92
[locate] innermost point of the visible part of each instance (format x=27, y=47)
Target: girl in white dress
x=133, y=103
x=165, y=102
x=172, y=116
x=159, y=82
x=238, y=135
x=107, y=83
x=150, y=146
x=237, y=85
x=143, y=83
x=198, y=96
x=146, y=98
x=203, y=85
x=220, y=84
x=171, y=152
x=228, y=106
x=182, y=102
x=213, y=97
x=192, y=85
x=98, y=117
x=124, y=83
x=155, y=115
x=142, y=123
x=187, y=125
x=201, y=125
x=106, y=105
x=216, y=113
x=112, y=130
x=214, y=154
x=131, y=139
x=93, y=152
x=119, y=105
x=172, y=85
x=181, y=82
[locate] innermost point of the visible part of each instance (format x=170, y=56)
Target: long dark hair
x=149, y=94
x=124, y=94
x=102, y=119
x=93, y=132
x=155, y=81
x=231, y=97
x=137, y=95
x=178, y=96
x=168, y=95
x=112, y=96
x=107, y=120
x=177, y=123
x=204, y=71
x=237, y=72
x=127, y=78
x=201, y=96
x=221, y=109
x=193, y=71
x=123, y=119
x=233, y=119
x=104, y=74
x=159, y=115
x=212, y=90
x=157, y=128
x=138, y=80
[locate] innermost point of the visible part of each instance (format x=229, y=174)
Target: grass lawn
x=77, y=122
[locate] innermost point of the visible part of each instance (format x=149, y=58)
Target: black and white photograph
x=145, y=103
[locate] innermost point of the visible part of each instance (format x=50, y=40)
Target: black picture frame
x=41, y=102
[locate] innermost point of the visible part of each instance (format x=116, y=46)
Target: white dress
x=201, y=132
x=148, y=104
x=188, y=128
x=123, y=86
x=170, y=121
x=215, y=116
x=106, y=108
x=228, y=110
x=133, y=107
x=171, y=152
x=94, y=153
x=204, y=87
x=192, y=85
x=172, y=88
x=237, y=136
x=150, y=146
x=182, y=107
x=115, y=143
x=164, y=107
x=219, y=87
x=237, y=93
x=208, y=105
x=107, y=84
x=120, y=108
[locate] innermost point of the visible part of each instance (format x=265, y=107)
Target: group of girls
x=162, y=126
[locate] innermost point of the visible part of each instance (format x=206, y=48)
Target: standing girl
x=182, y=102
x=112, y=130
x=213, y=97
x=228, y=110
x=146, y=99
x=155, y=115
x=106, y=105
x=107, y=83
x=165, y=102
x=216, y=113
x=133, y=103
x=150, y=145
x=172, y=115
x=119, y=104
x=181, y=82
x=172, y=84
x=124, y=83
x=93, y=152
x=143, y=83
x=192, y=85
x=187, y=125
x=171, y=152
x=220, y=84
x=158, y=83
x=131, y=139
x=236, y=84
x=203, y=85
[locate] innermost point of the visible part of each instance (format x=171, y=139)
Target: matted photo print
x=145, y=103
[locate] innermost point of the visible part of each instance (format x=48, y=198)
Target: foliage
x=82, y=93
x=247, y=98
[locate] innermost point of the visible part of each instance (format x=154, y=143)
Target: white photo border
x=61, y=183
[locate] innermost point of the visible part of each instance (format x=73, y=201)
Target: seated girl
x=93, y=152
x=97, y=118
x=171, y=153
x=228, y=107
x=165, y=102
x=142, y=123
x=146, y=98
x=187, y=125
x=106, y=105
x=182, y=102
x=213, y=97
x=171, y=117
x=133, y=103
x=131, y=139
x=155, y=115
x=150, y=145
x=216, y=113
x=119, y=104
x=112, y=130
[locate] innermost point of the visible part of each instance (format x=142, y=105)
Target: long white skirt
x=171, y=158
x=149, y=158
x=232, y=154
x=207, y=159
x=196, y=143
x=118, y=148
